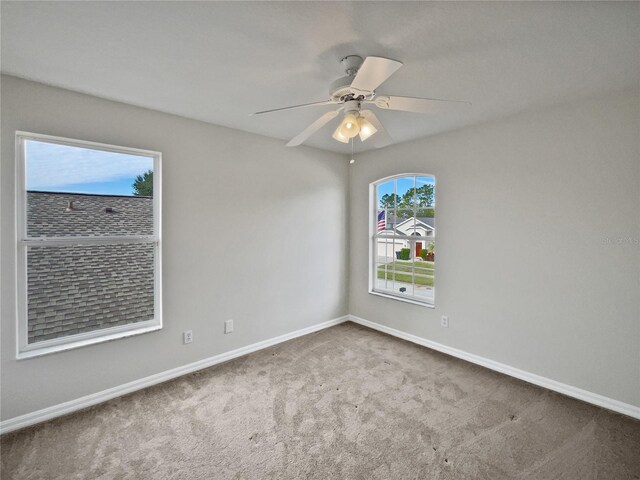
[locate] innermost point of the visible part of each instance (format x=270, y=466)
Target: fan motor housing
x=352, y=106
x=342, y=90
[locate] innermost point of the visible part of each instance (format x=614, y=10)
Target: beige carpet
x=343, y=403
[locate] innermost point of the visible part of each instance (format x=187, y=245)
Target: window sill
x=37, y=351
x=402, y=299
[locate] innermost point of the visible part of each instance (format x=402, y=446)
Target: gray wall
x=524, y=270
x=245, y=222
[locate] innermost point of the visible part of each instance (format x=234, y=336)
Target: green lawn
x=403, y=272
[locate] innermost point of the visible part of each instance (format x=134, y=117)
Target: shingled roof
x=48, y=215
x=79, y=288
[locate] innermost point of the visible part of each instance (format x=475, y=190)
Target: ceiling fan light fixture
x=366, y=128
x=349, y=127
x=337, y=135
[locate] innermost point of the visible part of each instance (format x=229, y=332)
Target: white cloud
x=51, y=165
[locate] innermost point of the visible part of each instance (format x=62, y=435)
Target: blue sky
x=402, y=185
x=62, y=168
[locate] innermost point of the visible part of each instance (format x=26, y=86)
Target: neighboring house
x=74, y=289
x=423, y=228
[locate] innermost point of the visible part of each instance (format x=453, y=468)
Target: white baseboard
x=48, y=413
x=584, y=395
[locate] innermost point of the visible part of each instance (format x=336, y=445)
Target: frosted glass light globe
x=349, y=127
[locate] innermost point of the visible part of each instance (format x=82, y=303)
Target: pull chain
x=353, y=160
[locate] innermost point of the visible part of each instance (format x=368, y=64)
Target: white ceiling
x=220, y=61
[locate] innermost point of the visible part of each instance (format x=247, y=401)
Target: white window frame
x=373, y=236
x=26, y=350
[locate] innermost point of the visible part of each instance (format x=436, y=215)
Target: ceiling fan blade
x=381, y=138
x=373, y=72
x=417, y=105
x=312, y=104
x=313, y=128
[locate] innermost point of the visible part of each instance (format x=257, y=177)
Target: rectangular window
x=88, y=243
x=403, y=238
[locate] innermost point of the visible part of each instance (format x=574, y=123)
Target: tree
x=408, y=199
x=424, y=194
x=389, y=200
x=143, y=185
x=426, y=212
x=421, y=199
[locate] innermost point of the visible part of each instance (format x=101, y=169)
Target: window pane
x=390, y=221
x=406, y=222
x=422, y=288
x=82, y=288
x=386, y=195
x=406, y=192
x=388, y=249
x=424, y=276
x=403, y=276
x=425, y=197
x=74, y=191
x=384, y=278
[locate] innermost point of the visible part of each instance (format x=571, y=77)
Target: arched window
x=402, y=264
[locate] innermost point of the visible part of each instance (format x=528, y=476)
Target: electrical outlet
x=187, y=336
x=444, y=321
x=228, y=326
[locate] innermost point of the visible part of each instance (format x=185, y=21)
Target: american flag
x=382, y=223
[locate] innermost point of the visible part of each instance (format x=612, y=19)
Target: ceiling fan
x=357, y=89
